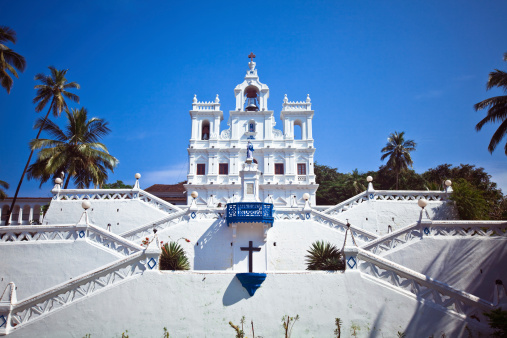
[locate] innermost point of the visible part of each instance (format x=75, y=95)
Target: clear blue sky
x=371, y=68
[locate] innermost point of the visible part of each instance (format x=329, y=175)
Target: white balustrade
x=41, y=233
x=417, y=231
x=146, y=230
x=348, y=204
x=359, y=234
x=114, y=194
x=407, y=195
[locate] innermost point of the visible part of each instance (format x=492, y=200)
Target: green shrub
x=173, y=257
x=498, y=320
x=324, y=256
x=469, y=201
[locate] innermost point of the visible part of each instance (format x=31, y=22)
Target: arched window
x=298, y=130
x=26, y=214
x=251, y=126
x=205, y=130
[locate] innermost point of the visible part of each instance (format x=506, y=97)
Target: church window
x=223, y=169
x=205, y=130
x=201, y=169
x=279, y=169
x=251, y=126
x=301, y=169
x=298, y=130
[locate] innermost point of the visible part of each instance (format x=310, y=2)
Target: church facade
x=284, y=157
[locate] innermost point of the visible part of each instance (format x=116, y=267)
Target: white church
x=91, y=269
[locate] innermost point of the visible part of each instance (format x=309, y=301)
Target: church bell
x=252, y=104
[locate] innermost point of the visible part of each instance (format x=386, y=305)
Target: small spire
x=195, y=98
x=217, y=100
x=285, y=99
x=308, y=100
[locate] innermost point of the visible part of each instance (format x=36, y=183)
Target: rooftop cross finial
x=251, y=56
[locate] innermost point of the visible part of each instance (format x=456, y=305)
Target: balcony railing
x=253, y=212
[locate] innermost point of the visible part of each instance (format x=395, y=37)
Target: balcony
x=252, y=212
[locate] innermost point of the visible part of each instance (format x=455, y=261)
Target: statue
x=249, y=152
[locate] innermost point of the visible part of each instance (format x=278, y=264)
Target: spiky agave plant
x=324, y=256
x=173, y=257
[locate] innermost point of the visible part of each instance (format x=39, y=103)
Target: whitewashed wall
x=123, y=215
x=376, y=216
x=201, y=305
x=36, y=266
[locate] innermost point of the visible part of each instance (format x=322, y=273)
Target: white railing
x=146, y=230
x=111, y=241
x=423, y=288
x=286, y=214
x=64, y=294
x=114, y=194
x=324, y=219
x=408, y=195
x=94, y=194
x=24, y=233
x=417, y=231
x=157, y=203
x=301, y=178
x=348, y=204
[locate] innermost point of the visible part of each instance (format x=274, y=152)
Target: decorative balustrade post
x=350, y=258
x=7, y=301
x=370, y=191
x=152, y=253
x=136, y=185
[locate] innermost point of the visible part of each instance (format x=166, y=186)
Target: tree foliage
x=76, y=151
x=9, y=59
x=398, y=151
x=497, y=319
x=469, y=201
x=3, y=185
x=497, y=108
x=116, y=185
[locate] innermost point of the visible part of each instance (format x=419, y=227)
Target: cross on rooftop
x=251, y=56
x=250, y=250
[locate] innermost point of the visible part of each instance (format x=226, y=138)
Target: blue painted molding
x=251, y=281
x=244, y=212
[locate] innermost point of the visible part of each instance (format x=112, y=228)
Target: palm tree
x=9, y=59
x=354, y=181
x=53, y=88
x=4, y=185
x=497, y=111
x=76, y=151
x=398, y=150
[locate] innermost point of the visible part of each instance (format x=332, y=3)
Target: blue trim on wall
x=251, y=281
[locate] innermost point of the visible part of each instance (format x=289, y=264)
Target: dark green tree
x=497, y=319
x=76, y=151
x=398, y=150
x=497, y=108
x=116, y=185
x=9, y=59
x=469, y=201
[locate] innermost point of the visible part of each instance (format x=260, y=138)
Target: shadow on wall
x=234, y=293
x=214, y=250
x=471, y=265
x=444, y=212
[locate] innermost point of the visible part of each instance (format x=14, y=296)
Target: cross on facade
x=250, y=250
x=251, y=56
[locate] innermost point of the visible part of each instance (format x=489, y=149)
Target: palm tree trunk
x=397, y=178
x=67, y=181
x=7, y=221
